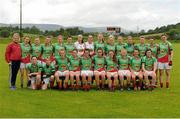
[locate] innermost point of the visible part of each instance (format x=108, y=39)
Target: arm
x=7, y=53
x=143, y=68
x=155, y=66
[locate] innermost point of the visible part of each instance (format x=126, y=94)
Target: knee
x=56, y=75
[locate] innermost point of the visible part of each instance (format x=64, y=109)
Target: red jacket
x=13, y=52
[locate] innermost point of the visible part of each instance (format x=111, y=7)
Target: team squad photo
x=110, y=63
x=89, y=58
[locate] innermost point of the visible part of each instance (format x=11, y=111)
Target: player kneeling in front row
x=86, y=70
x=48, y=70
x=123, y=61
x=111, y=70
x=34, y=73
x=149, y=64
x=63, y=72
x=99, y=69
x=136, y=70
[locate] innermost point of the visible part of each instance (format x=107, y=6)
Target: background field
x=28, y=103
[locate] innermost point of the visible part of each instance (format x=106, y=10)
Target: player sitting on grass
x=149, y=64
x=34, y=73
x=48, y=70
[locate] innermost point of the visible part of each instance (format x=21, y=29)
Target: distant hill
x=53, y=27
x=42, y=27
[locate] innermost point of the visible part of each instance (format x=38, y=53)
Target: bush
x=4, y=33
x=174, y=34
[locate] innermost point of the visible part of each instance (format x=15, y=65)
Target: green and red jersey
x=57, y=48
x=97, y=45
x=25, y=52
x=86, y=64
x=154, y=49
x=99, y=63
x=136, y=64
x=62, y=63
x=119, y=47
x=47, y=52
x=164, y=50
x=36, y=50
x=149, y=63
x=123, y=62
x=69, y=49
x=74, y=63
x=110, y=64
x=48, y=70
x=109, y=47
x=34, y=68
x=142, y=49
x=130, y=49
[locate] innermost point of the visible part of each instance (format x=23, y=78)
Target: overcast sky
x=124, y=13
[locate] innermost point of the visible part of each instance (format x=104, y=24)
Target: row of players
x=162, y=51
x=110, y=67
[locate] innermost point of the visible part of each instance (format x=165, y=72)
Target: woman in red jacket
x=13, y=57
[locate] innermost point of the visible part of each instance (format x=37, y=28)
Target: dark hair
x=148, y=50
x=33, y=57
x=69, y=36
x=49, y=36
x=99, y=49
x=136, y=49
x=86, y=50
x=114, y=57
x=50, y=41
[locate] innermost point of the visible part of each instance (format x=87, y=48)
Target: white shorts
x=124, y=72
x=23, y=65
x=62, y=73
x=136, y=73
x=149, y=73
x=164, y=65
x=99, y=72
x=112, y=73
x=33, y=80
x=46, y=80
x=87, y=72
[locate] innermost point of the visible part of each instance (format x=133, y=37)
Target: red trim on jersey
x=101, y=69
x=26, y=59
x=164, y=59
x=113, y=70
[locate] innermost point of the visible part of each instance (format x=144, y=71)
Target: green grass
x=28, y=103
